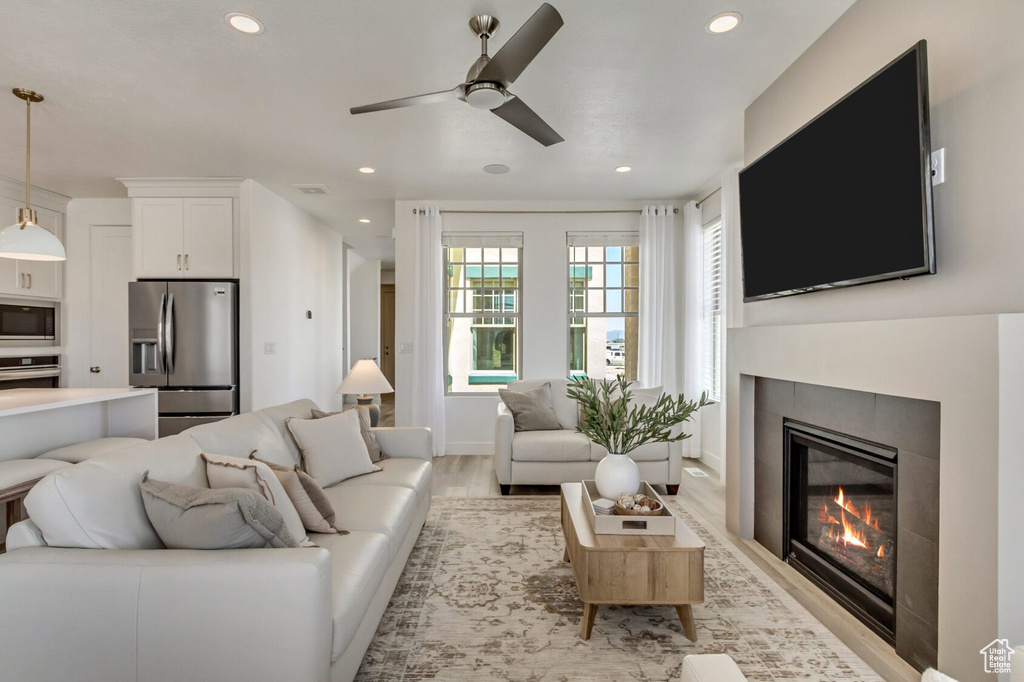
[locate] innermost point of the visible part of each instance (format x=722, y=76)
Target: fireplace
x=840, y=526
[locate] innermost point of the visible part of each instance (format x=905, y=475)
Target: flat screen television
x=847, y=199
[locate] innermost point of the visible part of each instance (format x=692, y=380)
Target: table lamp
x=363, y=379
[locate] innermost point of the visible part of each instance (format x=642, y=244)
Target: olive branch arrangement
x=607, y=418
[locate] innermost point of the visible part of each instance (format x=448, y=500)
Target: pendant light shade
x=25, y=239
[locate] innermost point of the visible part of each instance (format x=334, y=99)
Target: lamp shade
x=28, y=241
x=365, y=378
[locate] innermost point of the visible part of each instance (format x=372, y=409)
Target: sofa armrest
x=504, y=431
x=412, y=442
x=165, y=614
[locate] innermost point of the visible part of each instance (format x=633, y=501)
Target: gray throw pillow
x=221, y=518
x=365, y=430
x=309, y=498
x=531, y=410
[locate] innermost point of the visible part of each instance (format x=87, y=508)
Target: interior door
x=387, y=331
x=202, y=340
x=110, y=270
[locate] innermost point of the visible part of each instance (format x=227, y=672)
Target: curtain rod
x=629, y=210
x=708, y=197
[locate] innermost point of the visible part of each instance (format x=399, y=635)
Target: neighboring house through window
x=604, y=304
x=483, y=310
x=711, y=343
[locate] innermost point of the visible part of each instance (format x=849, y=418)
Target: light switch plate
x=269, y=348
x=405, y=347
x=938, y=166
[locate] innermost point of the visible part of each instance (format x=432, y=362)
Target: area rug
x=485, y=595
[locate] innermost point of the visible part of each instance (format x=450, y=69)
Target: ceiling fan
x=489, y=78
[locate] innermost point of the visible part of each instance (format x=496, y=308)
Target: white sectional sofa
x=75, y=609
x=555, y=457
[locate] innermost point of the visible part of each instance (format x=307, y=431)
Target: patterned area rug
x=485, y=595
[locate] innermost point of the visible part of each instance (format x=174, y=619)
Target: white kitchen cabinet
x=36, y=279
x=183, y=238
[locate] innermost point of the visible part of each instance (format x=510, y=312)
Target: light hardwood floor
x=473, y=476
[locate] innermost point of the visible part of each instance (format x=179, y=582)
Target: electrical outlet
x=269, y=348
x=938, y=166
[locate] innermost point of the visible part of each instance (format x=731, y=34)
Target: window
x=604, y=305
x=483, y=309
x=711, y=343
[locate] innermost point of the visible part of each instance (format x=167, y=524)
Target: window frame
x=712, y=333
x=608, y=240
x=480, y=241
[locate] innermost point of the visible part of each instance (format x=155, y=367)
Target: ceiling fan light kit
x=25, y=239
x=489, y=78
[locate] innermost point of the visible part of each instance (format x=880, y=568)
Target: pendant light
x=25, y=240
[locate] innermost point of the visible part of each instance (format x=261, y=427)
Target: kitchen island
x=37, y=420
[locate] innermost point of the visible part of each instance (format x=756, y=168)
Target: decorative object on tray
x=608, y=419
x=637, y=505
x=619, y=522
x=604, y=507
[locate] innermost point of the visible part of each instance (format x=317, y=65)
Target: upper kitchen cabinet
x=185, y=228
x=26, y=278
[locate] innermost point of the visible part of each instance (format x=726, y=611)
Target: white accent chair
x=710, y=668
x=556, y=457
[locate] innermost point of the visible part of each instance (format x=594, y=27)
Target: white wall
x=290, y=263
x=544, y=326
x=76, y=308
x=364, y=308
x=976, y=79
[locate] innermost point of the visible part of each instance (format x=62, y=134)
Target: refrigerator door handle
x=170, y=331
x=161, y=326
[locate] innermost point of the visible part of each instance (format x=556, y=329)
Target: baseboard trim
x=712, y=461
x=466, y=448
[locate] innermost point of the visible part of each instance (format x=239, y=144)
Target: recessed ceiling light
x=622, y=169
x=364, y=220
x=496, y=168
x=244, y=23
x=724, y=22
x=367, y=170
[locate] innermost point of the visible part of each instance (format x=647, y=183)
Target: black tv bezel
x=927, y=217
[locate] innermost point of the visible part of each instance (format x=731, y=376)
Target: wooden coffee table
x=631, y=569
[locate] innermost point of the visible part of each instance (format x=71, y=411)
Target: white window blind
x=511, y=240
x=602, y=239
x=712, y=314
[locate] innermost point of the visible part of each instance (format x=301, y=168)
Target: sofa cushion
x=550, y=446
x=97, y=504
x=332, y=448
x=17, y=471
x=383, y=509
x=200, y=518
x=648, y=452
x=531, y=410
x=358, y=563
x=79, y=452
x=238, y=436
x=277, y=417
x=564, y=406
x=399, y=471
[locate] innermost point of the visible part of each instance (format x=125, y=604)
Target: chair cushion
x=648, y=452
x=710, y=668
x=550, y=446
x=358, y=563
x=79, y=452
x=403, y=472
x=565, y=407
x=17, y=471
x=383, y=509
x=97, y=504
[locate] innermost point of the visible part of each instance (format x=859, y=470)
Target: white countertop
x=23, y=400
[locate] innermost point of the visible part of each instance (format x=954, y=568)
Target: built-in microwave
x=27, y=323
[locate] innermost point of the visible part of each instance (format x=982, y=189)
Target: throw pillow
x=235, y=472
x=531, y=410
x=332, y=447
x=309, y=498
x=202, y=518
x=369, y=437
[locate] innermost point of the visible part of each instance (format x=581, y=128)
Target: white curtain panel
x=693, y=314
x=428, y=314
x=660, y=350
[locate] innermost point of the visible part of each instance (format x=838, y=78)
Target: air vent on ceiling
x=313, y=189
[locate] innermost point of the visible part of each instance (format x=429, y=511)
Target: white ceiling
x=138, y=88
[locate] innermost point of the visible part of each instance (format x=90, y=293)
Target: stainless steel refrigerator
x=184, y=341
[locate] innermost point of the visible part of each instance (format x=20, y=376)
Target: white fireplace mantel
x=974, y=367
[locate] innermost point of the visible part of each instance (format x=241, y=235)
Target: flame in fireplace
x=864, y=514
x=881, y=551
x=851, y=536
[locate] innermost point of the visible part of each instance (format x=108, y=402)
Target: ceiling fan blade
x=443, y=96
x=516, y=112
x=520, y=50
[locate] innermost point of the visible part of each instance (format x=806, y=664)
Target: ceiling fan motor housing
x=485, y=95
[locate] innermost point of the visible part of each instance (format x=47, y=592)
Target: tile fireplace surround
x=912, y=427
x=973, y=367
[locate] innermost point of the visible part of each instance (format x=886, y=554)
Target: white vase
x=617, y=474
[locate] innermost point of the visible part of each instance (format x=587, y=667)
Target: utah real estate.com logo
x=997, y=656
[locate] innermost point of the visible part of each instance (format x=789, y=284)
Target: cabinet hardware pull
x=29, y=275
x=186, y=261
x=179, y=261
x=21, y=280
